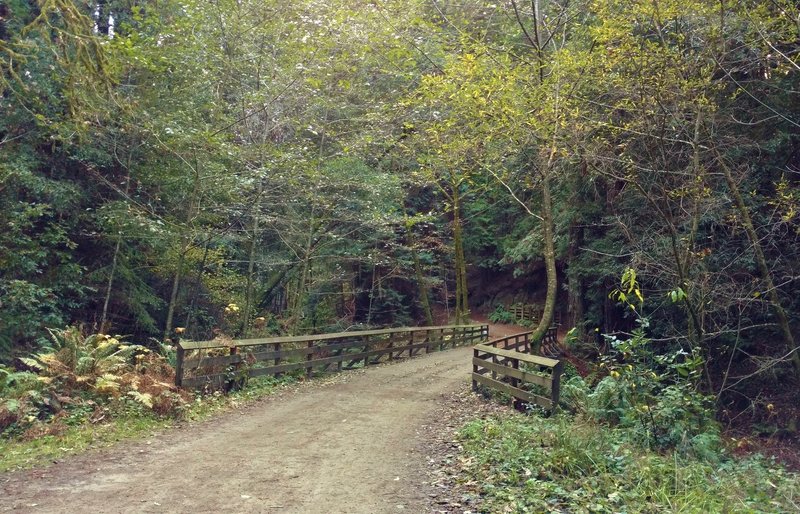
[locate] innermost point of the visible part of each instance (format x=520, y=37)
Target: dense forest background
x=246, y=167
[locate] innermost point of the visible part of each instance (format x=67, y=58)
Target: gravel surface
x=372, y=441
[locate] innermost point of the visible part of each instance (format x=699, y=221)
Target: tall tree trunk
x=420, y=278
x=302, y=279
x=251, y=263
x=549, y=260
x=198, y=280
x=114, y=260
x=173, y=297
x=576, y=283
x=194, y=200
x=462, y=307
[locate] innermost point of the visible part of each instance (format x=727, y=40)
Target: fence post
x=474, y=369
x=556, y=386
x=179, y=356
x=310, y=357
x=515, y=365
x=236, y=382
x=277, y=359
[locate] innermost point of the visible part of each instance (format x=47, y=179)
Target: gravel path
x=353, y=444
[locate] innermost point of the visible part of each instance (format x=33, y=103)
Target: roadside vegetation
x=636, y=434
x=88, y=391
x=531, y=464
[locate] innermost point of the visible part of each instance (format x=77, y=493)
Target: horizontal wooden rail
x=513, y=342
x=217, y=364
x=496, y=365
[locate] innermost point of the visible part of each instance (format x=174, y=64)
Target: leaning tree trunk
x=763, y=268
x=110, y=284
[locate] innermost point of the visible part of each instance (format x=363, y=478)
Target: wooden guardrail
x=215, y=364
x=501, y=358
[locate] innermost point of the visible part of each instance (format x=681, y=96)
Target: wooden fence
x=532, y=313
x=525, y=312
x=501, y=358
x=215, y=364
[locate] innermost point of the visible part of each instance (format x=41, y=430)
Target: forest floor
x=370, y=441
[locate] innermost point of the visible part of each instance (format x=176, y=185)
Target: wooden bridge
x=506, y=364
x=219, y=364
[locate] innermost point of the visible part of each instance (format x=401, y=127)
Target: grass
x=21, y=454
x=125, y=424
x=527, y=464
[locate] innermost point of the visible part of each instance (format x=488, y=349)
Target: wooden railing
x=525, y=312
x=216, y=364
x=501, y=358
x=532, y=313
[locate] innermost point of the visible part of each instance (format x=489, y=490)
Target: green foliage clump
x=501, y=315
x=531, y=464
x=651, y=396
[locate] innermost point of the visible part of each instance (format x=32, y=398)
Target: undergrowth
x=639, y=436
x=501, y=315
x=565, y=464
x=126, y=423
x=84, y=391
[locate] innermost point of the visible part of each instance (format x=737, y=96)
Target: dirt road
x=346, y=447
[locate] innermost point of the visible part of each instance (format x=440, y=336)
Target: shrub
x=501, y=315
x=76, y=374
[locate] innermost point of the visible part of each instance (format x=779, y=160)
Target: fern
x=145, y=399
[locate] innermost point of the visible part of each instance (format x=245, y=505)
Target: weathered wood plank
x=513, y=391
x=556, y=392
x=531, y=378
x=532, y=359
x=353, y=357
x=198, y=345
x=219, y=360
x=262, y=356
x=492, y=342
x=179, y=358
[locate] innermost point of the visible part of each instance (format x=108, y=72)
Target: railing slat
x=199, y=345
x=546, y=382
